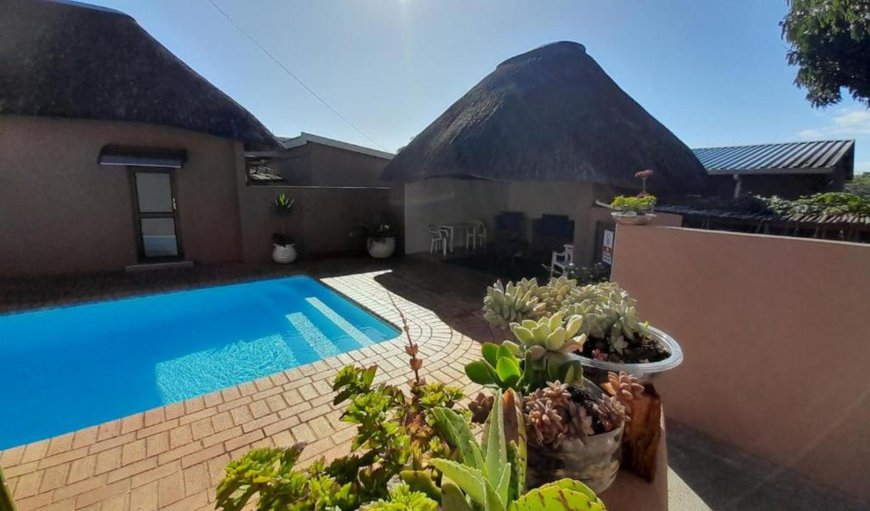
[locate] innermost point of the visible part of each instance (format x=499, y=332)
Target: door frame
x=137, y=215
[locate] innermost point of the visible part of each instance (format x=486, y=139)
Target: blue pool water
x=72, y=367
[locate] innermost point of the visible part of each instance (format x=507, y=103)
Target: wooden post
x=641, y=438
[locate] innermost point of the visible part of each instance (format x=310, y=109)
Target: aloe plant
x=491, y=476
x=6, y=503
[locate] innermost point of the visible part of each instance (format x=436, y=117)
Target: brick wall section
x=172, y=458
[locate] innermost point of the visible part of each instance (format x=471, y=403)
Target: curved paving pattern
x=172, y=457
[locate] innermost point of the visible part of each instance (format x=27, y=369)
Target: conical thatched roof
x=64, y=59
x=551, y=114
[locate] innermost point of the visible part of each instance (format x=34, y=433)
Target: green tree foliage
x=860, y=185
x=830, y=42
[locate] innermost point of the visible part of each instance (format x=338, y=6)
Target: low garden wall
x=776, y=342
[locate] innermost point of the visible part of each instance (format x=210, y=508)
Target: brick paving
x=172, y=457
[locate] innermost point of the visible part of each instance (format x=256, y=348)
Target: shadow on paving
x=726, y=479
x=453, y=293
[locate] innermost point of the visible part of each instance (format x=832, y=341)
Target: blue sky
x=713, y=71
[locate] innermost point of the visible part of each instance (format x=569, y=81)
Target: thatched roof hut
x=551, y=114
x=65, y=59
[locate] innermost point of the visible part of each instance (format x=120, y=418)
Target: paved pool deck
x=173, y=457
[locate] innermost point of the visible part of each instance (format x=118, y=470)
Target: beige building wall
x=316, y=164
x=440, y=201
x=776, y=342
x=61, y=212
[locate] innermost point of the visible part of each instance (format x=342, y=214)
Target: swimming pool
x=68, y=368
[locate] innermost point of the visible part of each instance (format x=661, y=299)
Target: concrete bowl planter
x=645, y=372
x=284, y=254
x=381, y=248
x=632, y=218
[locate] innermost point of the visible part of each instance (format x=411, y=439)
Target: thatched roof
x=551, y=114
x=64, y=59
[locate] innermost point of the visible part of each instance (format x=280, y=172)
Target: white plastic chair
x=438, y=242
x=476, y=234
x=561, y=260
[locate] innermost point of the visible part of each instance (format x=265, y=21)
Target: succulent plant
x=612, y=413
x=500, y=366
x=549, y=345
x=560, y=412
x=551, y=416
x=608, y=313
x=491, y=476
x=625, y=388
x=480, y=407
x=513, y=302
x=555, y=292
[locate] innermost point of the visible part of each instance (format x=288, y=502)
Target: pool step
x=345, y=326
x=312, y=335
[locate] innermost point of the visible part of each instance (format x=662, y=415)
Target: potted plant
x=631, y=210
x=283, y=248
x=615, y=338
x=576, y=429
x=380, y=237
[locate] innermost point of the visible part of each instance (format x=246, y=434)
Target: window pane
x=158, y=237
x=154, y=192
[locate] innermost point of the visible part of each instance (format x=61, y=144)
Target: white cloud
x=845, y=123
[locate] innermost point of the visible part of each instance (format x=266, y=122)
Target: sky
x=712, y=71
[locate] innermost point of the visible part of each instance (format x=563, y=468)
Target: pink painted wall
x=61, y=212
x=776, y=341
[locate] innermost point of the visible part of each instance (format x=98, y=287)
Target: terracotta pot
x=593, y=461
x=381, y=248
x=283, y=254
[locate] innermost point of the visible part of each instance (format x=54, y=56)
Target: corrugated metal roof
x=817, y=157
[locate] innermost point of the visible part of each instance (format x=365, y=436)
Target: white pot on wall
x=381, y=248
x=283, y=254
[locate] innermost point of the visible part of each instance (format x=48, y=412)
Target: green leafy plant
x=378, y=228
x=585, y=275
x=283, y=206
x=394, y=440
x=544, y=353
x=403, y=499
x=631, y=204
x=829, y=42
x=829, y=203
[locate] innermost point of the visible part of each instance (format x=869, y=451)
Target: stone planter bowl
x=597, y=370
x=632, y=218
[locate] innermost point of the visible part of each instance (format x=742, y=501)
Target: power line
x=290, y=73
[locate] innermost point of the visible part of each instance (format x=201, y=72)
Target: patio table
x=452, y=228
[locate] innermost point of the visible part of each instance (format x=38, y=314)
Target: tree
x=830, y=42
x=860, y=185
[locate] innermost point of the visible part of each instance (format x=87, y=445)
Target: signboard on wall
x=607, y=247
